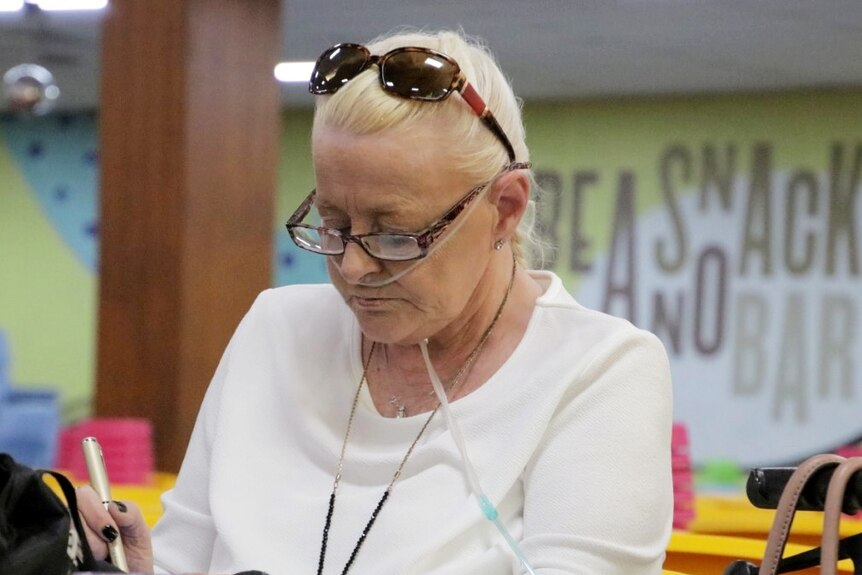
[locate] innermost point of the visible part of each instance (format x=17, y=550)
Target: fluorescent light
x=11, y=5
x=294, y=71
x=70, y=4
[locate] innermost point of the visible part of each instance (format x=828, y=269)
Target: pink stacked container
x=683, y=477
x=127, y=444
x=850, y=450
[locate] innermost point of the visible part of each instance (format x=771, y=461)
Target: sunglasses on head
x=410, y=72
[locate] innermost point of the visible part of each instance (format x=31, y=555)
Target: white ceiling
x=551, y=49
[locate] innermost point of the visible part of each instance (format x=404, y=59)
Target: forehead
x=385, y=172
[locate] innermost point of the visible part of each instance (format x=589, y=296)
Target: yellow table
x=735, y=516
x=699, y=554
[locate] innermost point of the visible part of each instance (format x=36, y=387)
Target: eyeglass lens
x=394, y=247
x=336, y=67
x=312, y=240
x=418, y=74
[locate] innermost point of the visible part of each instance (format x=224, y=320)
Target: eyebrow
x=377, y=211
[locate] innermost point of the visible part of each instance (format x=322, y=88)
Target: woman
x=321, y=442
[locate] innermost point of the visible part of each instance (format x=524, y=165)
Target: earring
x=498, y=245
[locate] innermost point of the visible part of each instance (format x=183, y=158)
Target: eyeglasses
x=410, y=72
x=398, y=247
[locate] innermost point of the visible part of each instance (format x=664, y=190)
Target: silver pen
x=99, y=481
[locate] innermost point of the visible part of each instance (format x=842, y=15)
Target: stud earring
x=498, y=245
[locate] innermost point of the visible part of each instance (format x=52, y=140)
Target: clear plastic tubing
x=488, y=508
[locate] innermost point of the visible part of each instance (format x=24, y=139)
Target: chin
x=388, y=329
x=381, y=331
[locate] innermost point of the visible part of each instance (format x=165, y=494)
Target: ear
x=510, y=196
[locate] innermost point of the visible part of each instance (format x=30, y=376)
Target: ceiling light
x=294, y=71
x=11, y=5
x=70, y=4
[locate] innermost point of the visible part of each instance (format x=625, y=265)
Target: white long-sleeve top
x=570, y=439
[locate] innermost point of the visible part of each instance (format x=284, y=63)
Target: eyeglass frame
x=424, y=239
x=459, y=84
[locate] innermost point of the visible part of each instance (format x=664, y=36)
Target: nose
x=356, y=264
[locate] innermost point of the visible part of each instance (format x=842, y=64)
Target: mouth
x=366, y=302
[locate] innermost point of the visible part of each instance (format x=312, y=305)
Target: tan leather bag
x=832, y=547
x=832, y=515
x=786, y=510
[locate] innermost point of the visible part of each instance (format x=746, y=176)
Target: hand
x=124, y=517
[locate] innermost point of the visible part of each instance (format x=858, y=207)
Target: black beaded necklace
x=456, y=381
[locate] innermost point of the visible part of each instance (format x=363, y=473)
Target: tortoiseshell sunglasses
x=410, y=72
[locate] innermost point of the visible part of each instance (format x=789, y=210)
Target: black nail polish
x=121, y=506
x=110, y=533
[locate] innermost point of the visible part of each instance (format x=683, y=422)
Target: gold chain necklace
x=457, y=380
x=401, y=410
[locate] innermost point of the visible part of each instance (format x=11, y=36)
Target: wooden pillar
x=189, y=146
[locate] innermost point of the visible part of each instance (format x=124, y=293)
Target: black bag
x=38, y=534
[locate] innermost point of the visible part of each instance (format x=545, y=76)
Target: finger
x=135, y=533
x=99, y=525
x=96, y=543
x=129, y=519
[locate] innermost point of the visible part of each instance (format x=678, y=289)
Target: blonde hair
x=362, y=107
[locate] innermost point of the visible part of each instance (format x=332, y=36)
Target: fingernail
x=110, y=533
x=121, y=506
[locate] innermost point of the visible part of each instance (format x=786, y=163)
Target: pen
x=99, y=481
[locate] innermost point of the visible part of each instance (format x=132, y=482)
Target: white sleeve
x=183, y=537
x=598, y=491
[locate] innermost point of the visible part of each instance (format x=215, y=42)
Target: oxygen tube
x=488, y=509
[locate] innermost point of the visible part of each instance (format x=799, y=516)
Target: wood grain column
x=189, y=146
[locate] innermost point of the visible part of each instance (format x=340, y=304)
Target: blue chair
x=29, y=418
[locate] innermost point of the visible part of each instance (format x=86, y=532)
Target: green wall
x=47, y=292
